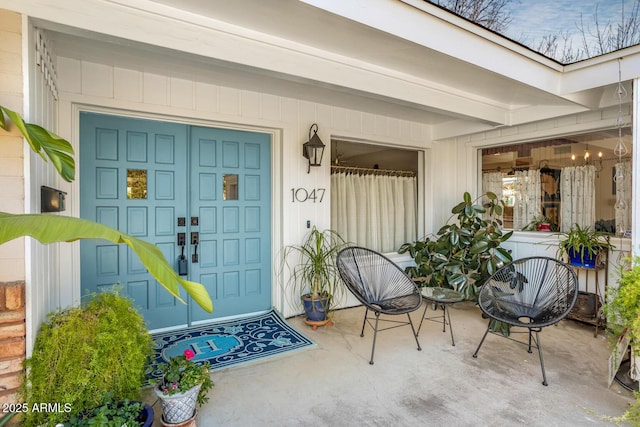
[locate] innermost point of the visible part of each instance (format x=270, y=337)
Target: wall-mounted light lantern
x=313, y=149
x=52, y=200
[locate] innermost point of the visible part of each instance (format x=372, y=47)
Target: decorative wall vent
x=45, y=63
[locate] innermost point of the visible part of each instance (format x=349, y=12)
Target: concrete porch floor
x=442, y=385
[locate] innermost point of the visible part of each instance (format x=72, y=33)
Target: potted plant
x=462, y=255
x=538, y=223
x=622, y=309
x=113, y=413
x=583, y=245
x=84, y=353
x=184, y=384
x=315, y=275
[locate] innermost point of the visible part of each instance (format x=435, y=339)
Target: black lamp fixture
x=313, y=149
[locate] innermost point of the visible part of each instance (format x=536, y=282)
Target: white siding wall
x=43, y=285
x=85, y=84
x=12, y=263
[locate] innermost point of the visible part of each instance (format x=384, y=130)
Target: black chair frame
x=544, y=303
x=382, y=287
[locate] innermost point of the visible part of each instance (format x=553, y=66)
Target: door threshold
x=224, y=319
x=168, y=329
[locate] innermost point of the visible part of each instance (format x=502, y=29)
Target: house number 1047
x=303, y=195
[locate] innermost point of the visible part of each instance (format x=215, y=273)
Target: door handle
x=182, y=260
x=195, y=239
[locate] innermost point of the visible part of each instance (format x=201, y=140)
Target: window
x=575, y=179
x=374, y=194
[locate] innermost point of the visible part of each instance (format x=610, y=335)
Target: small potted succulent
x=183, y=385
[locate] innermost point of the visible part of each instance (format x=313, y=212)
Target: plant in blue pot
x=583, y=246
x=314, y=274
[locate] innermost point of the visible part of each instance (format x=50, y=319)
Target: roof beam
x=147, y=22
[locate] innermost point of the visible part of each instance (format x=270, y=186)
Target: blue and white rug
x=229, y=343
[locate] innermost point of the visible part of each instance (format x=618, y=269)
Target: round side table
x=440, y=298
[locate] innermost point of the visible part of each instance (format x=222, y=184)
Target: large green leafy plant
x=48, y=228
x=54, y=228
x=44, y=143
x=83, y=353
x=463, y=254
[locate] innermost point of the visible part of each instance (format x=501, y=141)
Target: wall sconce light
x=313, y=149
x=52, y=200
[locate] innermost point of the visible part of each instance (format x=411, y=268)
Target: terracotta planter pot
x=191, y=422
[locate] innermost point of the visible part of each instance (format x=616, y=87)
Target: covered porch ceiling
x=403, y=58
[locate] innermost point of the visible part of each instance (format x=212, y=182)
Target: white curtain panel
x=577, y=192
x=374, y=211
x=623, y=192
x=491, y=181
x=528, y=197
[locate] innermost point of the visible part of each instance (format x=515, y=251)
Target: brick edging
x=12, y=339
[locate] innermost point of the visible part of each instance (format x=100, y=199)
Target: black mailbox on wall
x=52, y=200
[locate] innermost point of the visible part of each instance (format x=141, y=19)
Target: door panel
x=132, y=178
x=142, y=176
x=234, y=219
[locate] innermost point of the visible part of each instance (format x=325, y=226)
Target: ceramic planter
x=315, y=308
x=576, y=260
x=179, y=407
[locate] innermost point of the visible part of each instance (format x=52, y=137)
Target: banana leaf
x=44, y=142
x=53, y=228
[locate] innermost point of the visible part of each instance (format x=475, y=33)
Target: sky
x=533, y=19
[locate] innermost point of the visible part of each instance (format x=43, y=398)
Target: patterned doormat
x=229, y=343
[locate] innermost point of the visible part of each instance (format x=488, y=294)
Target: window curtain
x=577, y=189
x=623, y=193
x=492, y=181
x=527, y=198
x=374, y=211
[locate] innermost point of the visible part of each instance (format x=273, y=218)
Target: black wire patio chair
x=530, y=293
x=381, y=286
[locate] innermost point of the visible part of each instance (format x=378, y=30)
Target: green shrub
x=83, y=353
x=623, y=306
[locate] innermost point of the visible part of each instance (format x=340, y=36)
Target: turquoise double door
x=201, y=195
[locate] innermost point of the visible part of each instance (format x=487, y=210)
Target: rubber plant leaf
x=53, y=228
x=44, y=143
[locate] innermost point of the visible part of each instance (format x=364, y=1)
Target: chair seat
x=399, y=305
x=518, y=314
